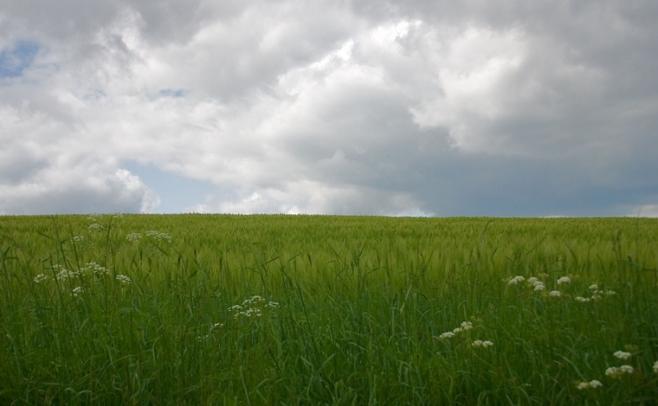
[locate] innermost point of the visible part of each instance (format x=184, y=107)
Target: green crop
x=206, y=309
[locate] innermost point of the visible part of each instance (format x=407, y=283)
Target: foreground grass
x=331, y=310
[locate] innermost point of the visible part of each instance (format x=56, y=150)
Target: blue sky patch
x=177, y=193
x=14, y=60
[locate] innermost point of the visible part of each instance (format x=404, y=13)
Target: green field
x=203, y=309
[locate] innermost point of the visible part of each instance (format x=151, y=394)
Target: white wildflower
x=65, y=274
x=582, y=299
x=533, y=280
x=272, y=304
x=77, y=291
x=564, y=280
x=539, y=287
x=622, y=355
x=95, y=226
x=466, y=325
x=457, y=330
x=593, y=287
x=78, y=238
x=254, y=300
x=616, y=372
x=610, y=293
x=40, y=278
x=554, y=293
x=482, y=343
x=655, y=367
x=516, y=280
x=95, y=268
x=235, y=308
x=593, y=384
x=446, y=335
x=123, y=279
x=626, y=369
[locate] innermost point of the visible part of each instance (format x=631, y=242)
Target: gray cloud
x=443, y=108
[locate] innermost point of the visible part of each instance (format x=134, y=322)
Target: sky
x=378, y=107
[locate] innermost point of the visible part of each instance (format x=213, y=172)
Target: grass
x=344, y=310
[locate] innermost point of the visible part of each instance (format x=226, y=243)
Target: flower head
x=516, y=280
x=446, y=335
x=622, y=355
x=466, y=325
x=482, y=343
x=626, y=369
x=77, y=291
x=40, y=278
x=539, y=287
x=533, y=280
x=564, y=280
x=554, y=293
x=617, y=372
x=593, y=384
x=655, y=367
x=125, y=280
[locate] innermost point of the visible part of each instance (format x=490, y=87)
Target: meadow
x=210, y=309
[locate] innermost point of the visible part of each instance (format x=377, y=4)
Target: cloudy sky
x=421, y=107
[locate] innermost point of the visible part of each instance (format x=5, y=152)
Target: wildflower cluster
x=482, y=344
x=564, y=280
x=538, y=285
x=623, y=355
x=464, y=326
x=596, y=294
x=123, y=279
x=618, y=372
x=89, y=271
x=94, y=268
x=252, y=307
x=95, y=227
x=152, y=234
x=593, y=384
x=533, y=281
x=158, y=236
x=516, y=280
x=62, y=274
x=655, y=367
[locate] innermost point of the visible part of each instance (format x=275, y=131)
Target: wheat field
x=218, y=309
